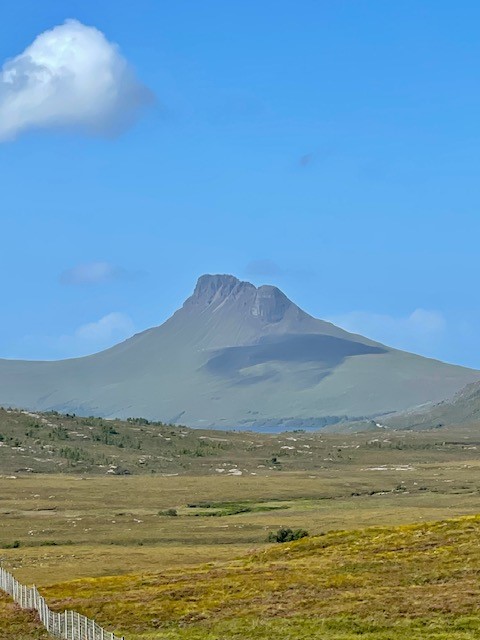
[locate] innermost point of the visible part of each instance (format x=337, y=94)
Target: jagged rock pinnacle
x=266, y=302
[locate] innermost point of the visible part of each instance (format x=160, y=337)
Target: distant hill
x=463, y=409
x=235, y=355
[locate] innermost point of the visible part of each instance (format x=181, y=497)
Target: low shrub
x=14, y=545
x=285, y=534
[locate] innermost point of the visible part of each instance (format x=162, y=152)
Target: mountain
x=235, y=355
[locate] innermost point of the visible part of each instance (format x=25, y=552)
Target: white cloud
x=94, y=336
x=418, y=331
x=69, y=77
x=422, y=320
x=91, y=273
x=114, y=326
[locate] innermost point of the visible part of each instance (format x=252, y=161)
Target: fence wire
x=68, y=625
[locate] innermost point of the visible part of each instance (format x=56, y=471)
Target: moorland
x=161, y=531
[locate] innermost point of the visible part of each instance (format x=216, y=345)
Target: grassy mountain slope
x=46, y=443
x=57, y=443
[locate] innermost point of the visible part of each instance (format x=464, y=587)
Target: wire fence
x=68, y=625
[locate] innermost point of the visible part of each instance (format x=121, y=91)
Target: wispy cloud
x=417, y=331
x=114, y=326
x=92, y=273
x=69, y=77
x=90, y=337
x=94, y=336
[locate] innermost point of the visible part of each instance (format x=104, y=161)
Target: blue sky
x=330, y=148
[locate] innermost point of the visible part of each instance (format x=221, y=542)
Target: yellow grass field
x=417, y=581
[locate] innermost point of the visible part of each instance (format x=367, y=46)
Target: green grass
x=223, y=509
